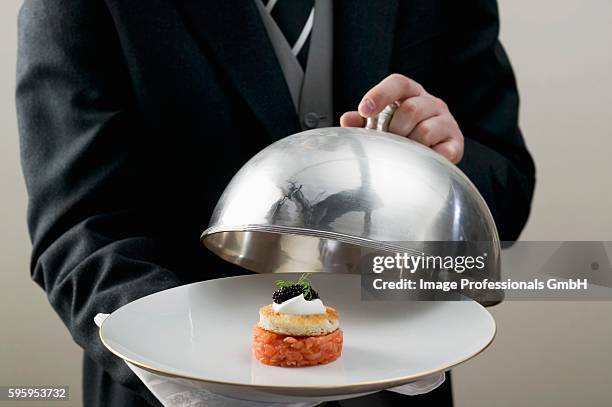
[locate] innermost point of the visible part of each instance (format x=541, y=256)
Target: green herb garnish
x=304, y=284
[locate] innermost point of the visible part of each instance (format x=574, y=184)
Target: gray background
x=545, y=354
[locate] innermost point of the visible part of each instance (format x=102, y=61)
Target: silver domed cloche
x=312, y=201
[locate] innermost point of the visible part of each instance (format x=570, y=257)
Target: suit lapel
x=363, y=35
x=233, y=31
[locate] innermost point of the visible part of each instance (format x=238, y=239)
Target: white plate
x=203, y=332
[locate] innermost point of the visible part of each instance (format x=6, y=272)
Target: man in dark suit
x=135, y=115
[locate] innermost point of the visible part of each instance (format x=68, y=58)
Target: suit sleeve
x=91, y=213
x=472, y=74
x=483, y=95
x=481, y=92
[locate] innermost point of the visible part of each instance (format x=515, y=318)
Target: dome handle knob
x=381, y=121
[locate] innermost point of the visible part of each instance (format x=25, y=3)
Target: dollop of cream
x=300, y=306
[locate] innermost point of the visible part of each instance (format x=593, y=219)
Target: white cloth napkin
x=177, y=392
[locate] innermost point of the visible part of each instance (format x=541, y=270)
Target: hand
x=420, y=116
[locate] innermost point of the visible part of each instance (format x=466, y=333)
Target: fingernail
x=366, y=106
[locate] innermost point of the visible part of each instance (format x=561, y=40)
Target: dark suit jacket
x=134, y=115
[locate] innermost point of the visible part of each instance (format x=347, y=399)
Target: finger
x=443, y=135
x=431, y=131
x=452, y=149
x=352, y=119
x=412, y=111
x=393, y=88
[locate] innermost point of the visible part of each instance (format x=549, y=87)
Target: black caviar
x=286, y=293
